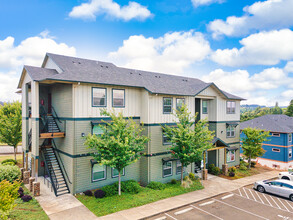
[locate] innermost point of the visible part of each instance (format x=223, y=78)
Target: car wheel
x=291, y=197
x=285, y=178
x=261, y=189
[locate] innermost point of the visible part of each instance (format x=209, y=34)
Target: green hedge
x=10, y=173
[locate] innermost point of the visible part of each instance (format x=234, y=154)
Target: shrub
x=130, y=186
x=156, y=185
x=26, y=198
x=9, y=161
x=232, y=174
x=186, y=178
x=232, y=169
x=88, y=193
x=8, y=194
x=192, y=176
x=20, y=189
x=173, y=181
x=187, y=182
x=110, y=190
x=242, y=167
x=253, y=163
x=10, y=173
x=99, y=193
x=243, y=163
x=212, y=169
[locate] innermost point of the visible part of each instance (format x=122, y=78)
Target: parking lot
x=243, y=203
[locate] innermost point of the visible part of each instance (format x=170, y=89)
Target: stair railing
x=44, y=120
x=59, y=159
x=29, y=139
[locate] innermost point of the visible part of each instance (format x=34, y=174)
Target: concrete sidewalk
x=213, y=186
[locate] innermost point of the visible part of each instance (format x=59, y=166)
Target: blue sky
x=245, y=47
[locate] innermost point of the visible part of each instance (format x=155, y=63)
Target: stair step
x=62, y=193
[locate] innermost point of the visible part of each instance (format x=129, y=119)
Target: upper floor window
x=98, y=172
x=276, y=150
x=179, y=167
x=179, y=103
x=99, y=97
x=231, y=107
x=290, y=138
x=230, y=131
x=275, y=134
x=167, y=105
x=118, y=96
x=167, y=169
x=166, y=140
x=204, y=106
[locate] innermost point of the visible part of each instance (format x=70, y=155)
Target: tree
x=10, y=124
x=289, y=110
x=252, y=143
x=119, y=144
x=189, y=139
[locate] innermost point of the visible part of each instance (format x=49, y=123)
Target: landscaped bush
x=20, y=192
x=10, y=173
x=192, y=176
x=88, y=193
x=212, y=169
x=99, y=194
x=156, y=185
x=173, y=181
x=231, y=174
x=9, y=161
x=187, y=182
x=110, y=190
x=253, y=163
x=8, y=164
x=242, y=167
x=130, y=186
x=26, y=198
x=232, y=169
x=243, y=163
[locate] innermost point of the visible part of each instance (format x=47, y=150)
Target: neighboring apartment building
x=61, y=103
x=279, y=145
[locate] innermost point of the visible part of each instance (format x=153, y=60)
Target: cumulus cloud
x=197, y=3
x=30, y=51
x=170, y=53
x=288, y=94
x=266, y=15
x=264, y=48
x=93, y=8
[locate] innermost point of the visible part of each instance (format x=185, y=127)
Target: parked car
x=278, y=187
x=286, y=175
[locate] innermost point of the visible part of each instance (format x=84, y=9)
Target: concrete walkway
x=65, y=207
x=213, y=186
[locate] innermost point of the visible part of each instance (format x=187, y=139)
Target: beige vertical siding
x=50, y=64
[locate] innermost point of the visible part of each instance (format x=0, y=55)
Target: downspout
x=149, y=164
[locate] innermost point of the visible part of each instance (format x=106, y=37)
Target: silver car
x=278, y=187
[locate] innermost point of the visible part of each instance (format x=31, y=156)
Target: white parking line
x=246, y=193
x=259, y=197
x=252, y=194
x=183, y=211
x=267, y=200
x=228, y=196
x=161, y=218
x=240, y=192
x=206, y=203
x=241, y=209
x=206, y=212
x=275, y=202
x=283, y=204
x=170, y=216
x=289, y=204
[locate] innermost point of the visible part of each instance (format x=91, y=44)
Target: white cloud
x=96, y=7
x=288, y=94
x=289, y=67
x=30, y=51
x=170, y=53
x=266, y=15
x=197, y=3
x=264, y=48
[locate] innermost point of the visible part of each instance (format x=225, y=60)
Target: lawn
x=28, y=210
x=108, y=205
x=11, y=156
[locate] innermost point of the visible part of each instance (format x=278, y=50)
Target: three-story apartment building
x=61, y=103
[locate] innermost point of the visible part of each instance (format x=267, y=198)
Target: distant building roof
x=273, y=123
x=91, y=71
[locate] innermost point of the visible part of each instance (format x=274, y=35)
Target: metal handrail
x=29, y=139
x=55, y=149
x=56, y=116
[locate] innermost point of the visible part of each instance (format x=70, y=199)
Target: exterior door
x=212, y=157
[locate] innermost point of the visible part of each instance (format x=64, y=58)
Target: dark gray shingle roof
x=91, y=71
x=273, y=123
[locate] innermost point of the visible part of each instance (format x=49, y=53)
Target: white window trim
x=230, y=108
x=275, y=135
x=230, y=132
x=93, y=105
x=290, y=137
x=105, y=173
x=168, y=169
x=178, y=171
x=177, y=103
x=168, y=105
x=229, y=161
x=277, y=150
x=207, y=112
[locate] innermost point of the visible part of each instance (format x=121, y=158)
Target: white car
x=286, y=175
x=278, y=187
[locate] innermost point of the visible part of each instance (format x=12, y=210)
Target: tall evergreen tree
x=289, y=110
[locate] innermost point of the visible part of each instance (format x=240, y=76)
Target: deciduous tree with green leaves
x=119, y=145
x=189, y=139
x=289, y=110
x=10, y=124
x=252, y=143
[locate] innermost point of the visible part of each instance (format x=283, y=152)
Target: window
x=97, y=130
x=98, y=172
x=118, y=97
x=230, y=156
x=166, y=140
x=179, y=103
x=167, y=105
x=99, y=97
x=167, y=169
x=230, y=131
x=116, y=174
x=231, y=106
x=178, y=167
x=276, y=150
x=275, y=134
x=290, y=152
x=290, y=137
x=204, y=106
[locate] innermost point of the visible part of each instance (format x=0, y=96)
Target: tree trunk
x=181, y=174
x=15, y=149
x=119, y=184
x=249, y=161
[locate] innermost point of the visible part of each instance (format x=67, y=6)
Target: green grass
x=117, y=203
x=28, y=210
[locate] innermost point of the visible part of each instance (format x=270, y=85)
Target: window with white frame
x=204, y=107
x=230, y=131
x=290, y=137
x=99, y=97
x=115, y=172
x=275, y=134
x=98, y=172
x=179, y=103
x=167, y=168
x=290, y=152
x=178, y=167
x=231, y=107
x=230, y=156
x=118, y=97
x=276, y=150
x=167, y=105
